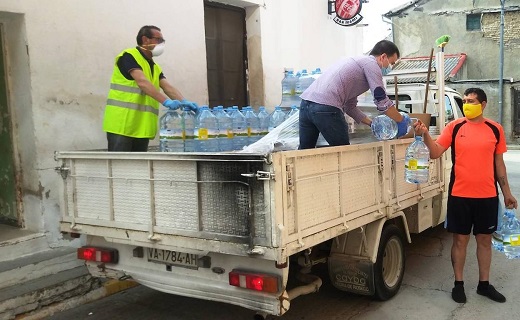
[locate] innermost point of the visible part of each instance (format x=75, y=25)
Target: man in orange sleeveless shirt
x=477, y=148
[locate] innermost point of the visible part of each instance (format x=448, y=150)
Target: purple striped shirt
x=341, y=84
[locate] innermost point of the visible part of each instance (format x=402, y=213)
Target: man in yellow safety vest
x=132, y=109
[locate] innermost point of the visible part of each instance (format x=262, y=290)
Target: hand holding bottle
x=171, y=104
x=402, y=126
x=192, y=105
x=419, y=128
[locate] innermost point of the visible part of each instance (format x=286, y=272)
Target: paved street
x=425, y=293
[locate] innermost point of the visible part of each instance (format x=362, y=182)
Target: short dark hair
x=145, y=31
x=385, y=46
x=481, y=95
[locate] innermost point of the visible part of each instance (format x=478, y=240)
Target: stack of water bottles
x=217, y=130
x=507, y=237
x=293, y=85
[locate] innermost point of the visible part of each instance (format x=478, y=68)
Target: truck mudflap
x=352, y=274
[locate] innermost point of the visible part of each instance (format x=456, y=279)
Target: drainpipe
x=501, y=65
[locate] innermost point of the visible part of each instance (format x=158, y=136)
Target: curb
x=114, y=286
x=108, y=288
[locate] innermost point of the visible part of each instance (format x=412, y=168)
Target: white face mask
x=158, y=49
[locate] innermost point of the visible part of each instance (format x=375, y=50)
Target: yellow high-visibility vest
x=129, y=111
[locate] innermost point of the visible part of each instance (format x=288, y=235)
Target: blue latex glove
x=192, y=105
x=172, y=104
x=402, y=127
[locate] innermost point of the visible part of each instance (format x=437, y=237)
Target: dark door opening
x=8, y=204
x=226, y=54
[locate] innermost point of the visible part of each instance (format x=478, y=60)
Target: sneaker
x=492, y=294
x=458, y=295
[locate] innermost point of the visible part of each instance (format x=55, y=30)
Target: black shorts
x=463, y=214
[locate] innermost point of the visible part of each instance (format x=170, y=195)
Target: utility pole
x=501, y=64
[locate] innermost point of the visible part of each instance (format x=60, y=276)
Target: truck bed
x=270, y=206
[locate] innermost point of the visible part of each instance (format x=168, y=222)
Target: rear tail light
x=98, y=254
x=254, y=281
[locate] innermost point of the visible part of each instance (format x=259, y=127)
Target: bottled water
x=239, y=129
x=188, y=120
x=263, y=118
x=294, y=129
x=383, y=127
x=206, y=131
x=316, y=73
x=304, y=81
x=288, y=88
x=170, y=132
x=225, y=129
x=510, y=234
x=253, y=125
x=276, y=118
x=416, y=169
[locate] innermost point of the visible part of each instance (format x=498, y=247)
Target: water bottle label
x=412, y=164
x=171, y=134
x=202, y=134
x=241, y=132
x=229, y=133
x=252, y=132
x=513, y=240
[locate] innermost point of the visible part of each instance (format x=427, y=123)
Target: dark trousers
x=118, y=142
x=316, y=118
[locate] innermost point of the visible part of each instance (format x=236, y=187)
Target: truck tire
x=389, y=266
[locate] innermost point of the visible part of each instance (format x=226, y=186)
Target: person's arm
x=147, y=87
x=500, y=167
x=355, y=113
x=436, y=149
x=170, y=90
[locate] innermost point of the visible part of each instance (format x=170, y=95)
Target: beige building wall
x=60, y=55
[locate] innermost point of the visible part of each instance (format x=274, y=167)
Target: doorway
x=8, y=202
x=226, y=54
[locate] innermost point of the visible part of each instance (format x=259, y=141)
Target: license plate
x=173, y=258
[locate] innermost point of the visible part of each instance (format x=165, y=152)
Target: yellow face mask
x=472, y=110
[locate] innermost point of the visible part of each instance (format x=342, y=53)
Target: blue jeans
x=316, y=118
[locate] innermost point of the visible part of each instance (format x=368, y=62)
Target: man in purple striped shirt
x=336, y=91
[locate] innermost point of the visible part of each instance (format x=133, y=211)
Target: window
x=473, y=22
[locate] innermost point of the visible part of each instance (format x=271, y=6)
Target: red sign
x=347, y=12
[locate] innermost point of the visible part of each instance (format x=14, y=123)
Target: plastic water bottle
x=225, y=129
x=288, y=88
x=417, y=161
x=188, y=120
x=253, y=125
x=239, y=129
x=263, y=118
x=276, y=118
x=170, y=132
x=294, y=129
x=304, y=81
x=383, y=127
x=206, y=131
x=316, y=73
x=511, y=234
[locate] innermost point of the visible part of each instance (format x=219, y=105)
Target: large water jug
x=316, y=73
x=206, y=131
x=170, y=132
x=417, y=162
x=288, y=88
x=511, y=234
x=240, y=139
x=383, y=127
x=304, y=81
x=253, y=125
x=276, y=118
x=225, y=129
x=263, y=118
x=188, y=120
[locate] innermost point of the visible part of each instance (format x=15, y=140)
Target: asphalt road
x=425, y=292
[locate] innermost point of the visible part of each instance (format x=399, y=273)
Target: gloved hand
x=192, y=105
x=403, y=126
x=172, y=104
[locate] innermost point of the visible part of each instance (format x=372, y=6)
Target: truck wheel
x=389, y=267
